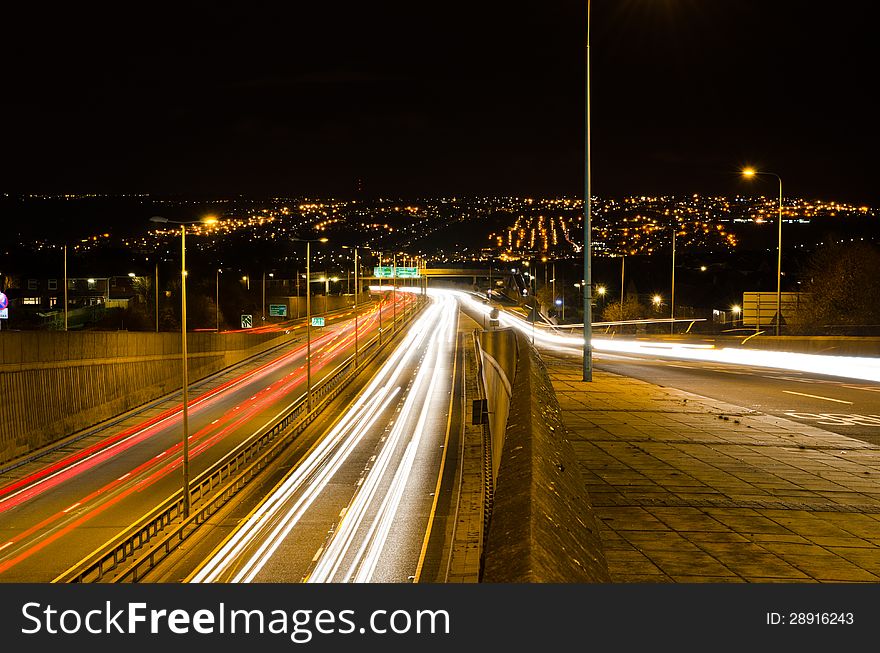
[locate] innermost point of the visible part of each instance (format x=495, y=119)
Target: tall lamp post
x=308, y=243
x=209, y=220
x=588, y=283
x=65, y=287
x=217, y=300
x=672, y=294
x=751, y=172
x=356, y=296
x=156, y=284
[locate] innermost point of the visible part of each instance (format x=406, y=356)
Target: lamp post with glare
x=751, y=172
x=186, y=500
x=309, y=317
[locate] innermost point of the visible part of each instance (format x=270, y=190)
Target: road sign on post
x=277, y=310
x=4, y=301
x=317, y=321
x=383, y=272
x=247, y=321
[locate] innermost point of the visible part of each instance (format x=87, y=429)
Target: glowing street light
x=207, y=221
x=749, y=173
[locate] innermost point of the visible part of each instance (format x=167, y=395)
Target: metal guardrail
x=236, y=469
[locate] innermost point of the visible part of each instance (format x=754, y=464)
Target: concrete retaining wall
x=54, y=384
x=543, y=528
x=498, y=354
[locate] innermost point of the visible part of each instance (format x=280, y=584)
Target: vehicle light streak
x=70, y=466
x=851, y=367
x=364, y=564
x=272, y=521
x=169, y=460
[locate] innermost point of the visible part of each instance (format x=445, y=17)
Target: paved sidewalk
x=689, y=489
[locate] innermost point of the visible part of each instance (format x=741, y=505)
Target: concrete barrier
x=543, y=528
x=53, y=384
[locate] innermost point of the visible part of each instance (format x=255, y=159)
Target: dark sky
x=430, y=98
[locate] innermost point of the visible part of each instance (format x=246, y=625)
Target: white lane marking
x=72, y=507
x=318, y=554
x=804, y=394
x=862, y=387
x=5, y=545
x=684, y=367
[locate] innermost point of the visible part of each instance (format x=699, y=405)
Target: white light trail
x=274, y=518
x=364, y=563
x=851, y=367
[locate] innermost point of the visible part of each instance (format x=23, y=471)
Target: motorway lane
x=56, y=510
x=357, y=507
x=849, y=407
x=846, y=405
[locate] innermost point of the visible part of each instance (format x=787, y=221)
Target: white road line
x=71, y=507
x=862, y=387
x=804, y=394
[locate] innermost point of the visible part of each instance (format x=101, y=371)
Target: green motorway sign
x=277, y=310
x=317, y=321
x=384, y=272
x=387, y=272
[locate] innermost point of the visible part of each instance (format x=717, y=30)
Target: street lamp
x=657, y=299
x=588, y=283
x=207, y=220
x=751, y=172
x=736, y=311
x=309, y=317
x=217, y=300
x=672, y=294
x=356, y=295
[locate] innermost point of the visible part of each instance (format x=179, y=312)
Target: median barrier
x=543, y=528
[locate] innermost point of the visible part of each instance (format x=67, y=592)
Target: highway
x=358, y=507
x=844, y=400
x=58, y=508
x=850, y=407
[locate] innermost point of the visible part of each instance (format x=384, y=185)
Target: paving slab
x=690, y=489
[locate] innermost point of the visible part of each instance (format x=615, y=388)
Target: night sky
x=441, y=98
